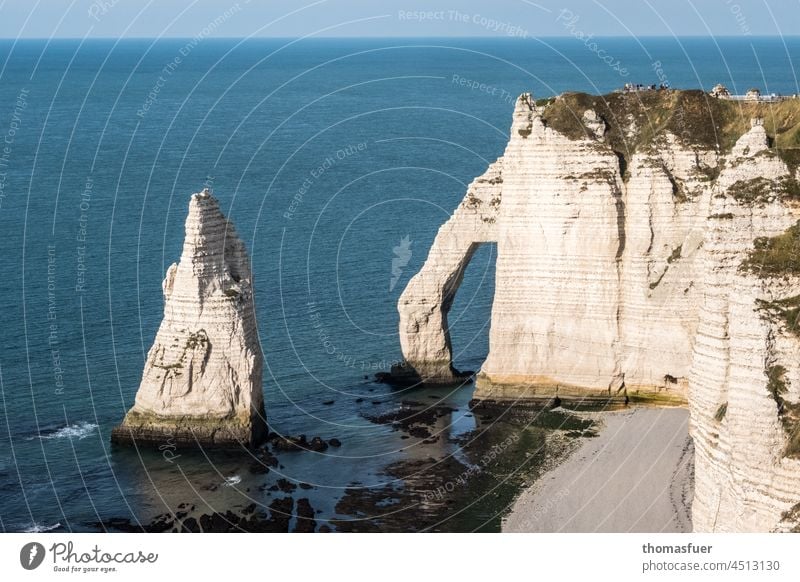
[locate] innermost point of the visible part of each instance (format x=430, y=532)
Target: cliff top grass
x=636, y=119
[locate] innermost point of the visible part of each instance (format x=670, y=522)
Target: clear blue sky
x=242, y=18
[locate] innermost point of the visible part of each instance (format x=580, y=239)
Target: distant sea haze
x=93, y=197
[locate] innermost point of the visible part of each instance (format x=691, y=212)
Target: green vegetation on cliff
x=788, y=412
x=793, y=518
x=636, y=119
x=787, y=309
x=763, y=191
x=776, y=256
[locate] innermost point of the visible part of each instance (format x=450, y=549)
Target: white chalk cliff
x=630, y=267
x=202, y=382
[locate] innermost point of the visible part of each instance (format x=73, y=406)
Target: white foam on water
x=36, y=528
x=231, y=481
x=79, y=430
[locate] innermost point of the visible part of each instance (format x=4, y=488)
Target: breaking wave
x=79, y=430
x=37, y=528
x=231, y=481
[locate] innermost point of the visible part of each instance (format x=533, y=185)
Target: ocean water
x=327, y=155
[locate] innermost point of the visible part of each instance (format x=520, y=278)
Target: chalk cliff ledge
x=202, y=382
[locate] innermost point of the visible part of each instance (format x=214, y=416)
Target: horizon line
x=413, y=37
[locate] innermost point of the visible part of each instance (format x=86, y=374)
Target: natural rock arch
x=638, y=281
x=429, y=295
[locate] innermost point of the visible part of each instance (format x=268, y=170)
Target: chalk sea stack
x=648, y=250
x=202, y=382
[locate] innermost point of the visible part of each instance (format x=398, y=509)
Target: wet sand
x=635, y=476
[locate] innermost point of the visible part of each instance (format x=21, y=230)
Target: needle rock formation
x=648, y=250
x=201, y=384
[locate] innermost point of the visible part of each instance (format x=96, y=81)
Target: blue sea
x=327, y=154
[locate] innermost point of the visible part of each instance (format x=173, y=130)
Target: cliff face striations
x=201, y=383
x=646, y=251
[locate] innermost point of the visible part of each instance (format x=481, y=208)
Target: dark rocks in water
x=329, y=403
x=317, y=444
x=404, y=376
x=266, y=457
x=219, y=522
x=281, y=512
x=249, y=519
x=362, y=504
x=162, y=524
x=229, y=522
x=306, y=486
x=289, y=443
x=324, y=529
x=298, y=443
x=285, y=485
x=359, y=400
x=334, y=442
x=305, y=522
x=412, y=417
x=412, y=507
x=419, y=432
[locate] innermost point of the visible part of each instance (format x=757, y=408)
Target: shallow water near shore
x=327, y=155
